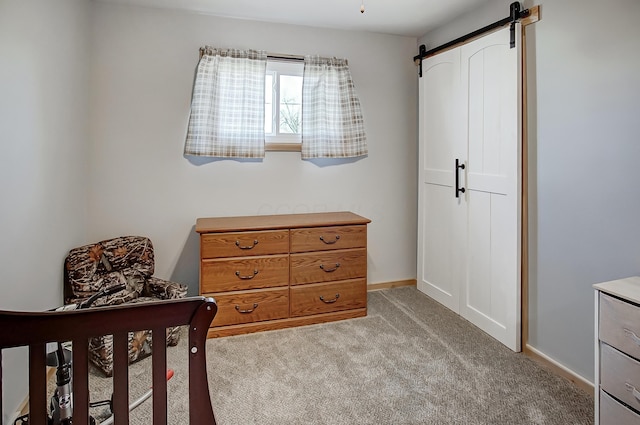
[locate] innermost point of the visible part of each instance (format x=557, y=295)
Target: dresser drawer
x=620, y=324
x=240, y=244
x=251, y=306
x=326, y=238
x=613, y=412
x=326, y=297
x=235, y=274
x=328, y=266
x=620, y=375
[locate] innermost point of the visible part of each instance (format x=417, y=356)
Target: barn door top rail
x=515, y=15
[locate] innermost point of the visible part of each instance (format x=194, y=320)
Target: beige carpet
x=410, y=361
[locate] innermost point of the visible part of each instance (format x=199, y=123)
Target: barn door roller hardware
x=515, y=15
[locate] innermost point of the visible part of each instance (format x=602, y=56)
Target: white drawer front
x=614, y=413
x=620, y=325
x=620, y=375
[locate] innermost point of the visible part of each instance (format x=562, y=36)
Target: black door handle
x=458, y=188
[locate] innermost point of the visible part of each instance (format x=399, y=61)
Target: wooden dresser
x=617, y=352
x=278, y=271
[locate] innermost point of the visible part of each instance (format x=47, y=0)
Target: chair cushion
x=90, y=268
x=128, y=252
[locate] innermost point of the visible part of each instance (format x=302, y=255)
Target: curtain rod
x=277, y=56
x=514, y=16
x=285, y=57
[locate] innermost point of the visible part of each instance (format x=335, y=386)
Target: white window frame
x=277, y=141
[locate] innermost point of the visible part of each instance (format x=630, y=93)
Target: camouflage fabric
x=158, y=288
x=125, y=260
x=140, y=344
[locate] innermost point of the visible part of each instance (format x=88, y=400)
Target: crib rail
x=36, y=329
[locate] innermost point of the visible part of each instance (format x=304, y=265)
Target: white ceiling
x=402, y=17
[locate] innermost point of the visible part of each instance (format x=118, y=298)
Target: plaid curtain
x=332, y=123
x=227, y=104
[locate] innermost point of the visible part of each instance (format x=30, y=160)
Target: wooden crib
x=36, y=329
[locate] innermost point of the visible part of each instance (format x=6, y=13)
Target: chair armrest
x=163, y=289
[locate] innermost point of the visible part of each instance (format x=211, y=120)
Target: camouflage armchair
x=125, y=260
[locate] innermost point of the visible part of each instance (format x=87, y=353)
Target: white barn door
x=469, y=246
x=438, y=134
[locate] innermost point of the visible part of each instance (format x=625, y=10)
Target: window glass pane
x=268, y=104
x=290, y=118
x=290, y=104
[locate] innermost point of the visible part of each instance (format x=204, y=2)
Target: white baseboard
x=560, y=369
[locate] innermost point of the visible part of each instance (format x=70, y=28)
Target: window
x=283, y=102
x=244, y=104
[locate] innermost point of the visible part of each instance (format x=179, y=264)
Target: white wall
x=143, y=64
x=583, y=89
x=43, y=139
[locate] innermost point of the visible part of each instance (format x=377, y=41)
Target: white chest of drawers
x=617, y=352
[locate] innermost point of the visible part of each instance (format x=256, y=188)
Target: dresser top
x=280, y=221
x=627, y=288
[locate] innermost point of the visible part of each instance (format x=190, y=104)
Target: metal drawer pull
x=255, y=242
x=329, y=301
x=633, y=390
x=247, y=277
x=330, y=270
x=634, y=337
x=247, y=311
x=330, y=242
